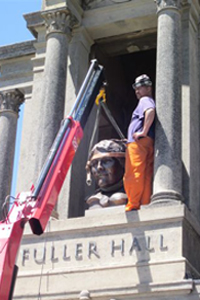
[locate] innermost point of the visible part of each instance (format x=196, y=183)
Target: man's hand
x=148, y=120
x=138, y=135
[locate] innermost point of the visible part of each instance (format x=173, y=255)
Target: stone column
x=9, y=109
x=190, y=108
x=167, y=171
x=58, y=34
x=71, y=201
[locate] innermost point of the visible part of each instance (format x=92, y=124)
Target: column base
x=169, y=197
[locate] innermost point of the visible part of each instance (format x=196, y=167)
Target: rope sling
x=101, y=103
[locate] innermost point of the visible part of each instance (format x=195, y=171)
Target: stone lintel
x=109, y=21
x=131, y=42
x=17, y=50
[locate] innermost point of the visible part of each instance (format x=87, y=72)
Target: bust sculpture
x=106, y=166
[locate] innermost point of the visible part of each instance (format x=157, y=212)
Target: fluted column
x=167, y=171
x=9, y=109
x=58, y=24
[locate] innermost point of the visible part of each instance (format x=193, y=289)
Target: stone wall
x=148, y=254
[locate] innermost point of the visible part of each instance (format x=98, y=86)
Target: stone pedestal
x=141, y=254
x=167, y=172
x=9, y=108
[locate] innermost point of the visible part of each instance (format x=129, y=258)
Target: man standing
x=140, y=147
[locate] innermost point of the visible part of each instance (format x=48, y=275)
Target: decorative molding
x=93, y=4
x=11, y=100
x=167, y=196
x=59, y=21
x=17, y=50
x=165, y=4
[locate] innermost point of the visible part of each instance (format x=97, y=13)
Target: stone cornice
x=168, y=4
x=11, y=100
x=17, y=50
x=34, y=20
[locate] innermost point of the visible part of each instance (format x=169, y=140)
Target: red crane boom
x=37, y=205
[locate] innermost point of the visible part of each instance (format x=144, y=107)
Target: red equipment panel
x=11, y=235
x=51, y=188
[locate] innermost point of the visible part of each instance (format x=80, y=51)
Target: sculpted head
x=106, y=163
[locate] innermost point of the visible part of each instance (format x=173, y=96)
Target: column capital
x=167, y=4
x=59, y=21
x=11, y=100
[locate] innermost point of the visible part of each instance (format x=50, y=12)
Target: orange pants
x=139, y=172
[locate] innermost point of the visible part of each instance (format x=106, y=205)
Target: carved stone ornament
x=11, y=100
x=60, y=21
x=161, y=4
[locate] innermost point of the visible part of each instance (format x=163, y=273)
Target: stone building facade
x=152, y=253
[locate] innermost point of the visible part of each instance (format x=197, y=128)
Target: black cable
x=96, y=124
x=6, y=206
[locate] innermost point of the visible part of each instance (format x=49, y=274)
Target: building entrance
x=120, y=72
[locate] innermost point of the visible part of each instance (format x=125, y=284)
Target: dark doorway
x=120, y=72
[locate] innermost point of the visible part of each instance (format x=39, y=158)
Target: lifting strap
x=101, y=103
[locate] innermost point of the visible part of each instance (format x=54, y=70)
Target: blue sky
x=12, y=24
x=13, y=30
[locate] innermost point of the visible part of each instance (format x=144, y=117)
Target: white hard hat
x=142, y=80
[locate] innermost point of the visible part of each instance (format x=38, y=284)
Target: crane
x=36, y=205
